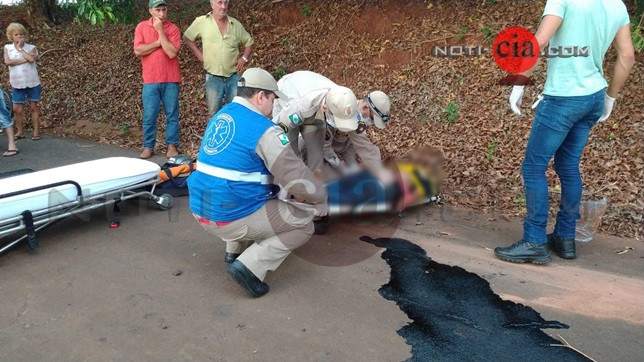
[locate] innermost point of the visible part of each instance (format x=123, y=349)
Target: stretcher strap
x=28, y=219
x=116, y=215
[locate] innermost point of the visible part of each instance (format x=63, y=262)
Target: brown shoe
x=172, y=151
x=147, y=153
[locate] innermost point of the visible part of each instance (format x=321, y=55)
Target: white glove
x=516, y=98
x=609, y=102
x=539, y=99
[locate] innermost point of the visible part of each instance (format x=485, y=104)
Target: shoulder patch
x=295, y=119
x=283, y=138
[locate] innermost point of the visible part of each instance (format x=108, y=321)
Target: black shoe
x=230, y=257
x=321, y=226
x=564, y=248
x=523, y=251
x=251, y=284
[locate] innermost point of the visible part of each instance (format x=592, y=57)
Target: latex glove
x=609, y=102
x=539, y=99
x=334, y=161
x=516, y=98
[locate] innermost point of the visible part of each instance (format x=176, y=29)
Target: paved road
x=155, y=288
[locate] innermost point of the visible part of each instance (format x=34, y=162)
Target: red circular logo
x=515, y=49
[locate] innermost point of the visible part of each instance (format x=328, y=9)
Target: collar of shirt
x=244, y=102
x=215, y=20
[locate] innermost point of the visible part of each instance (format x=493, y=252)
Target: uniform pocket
x=235, y=235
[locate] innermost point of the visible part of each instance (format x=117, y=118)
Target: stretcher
x=32, y=201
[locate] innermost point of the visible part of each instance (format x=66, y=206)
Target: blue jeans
x=217, y=88
x=5, y=117
x=153, y=95
x=560, y=129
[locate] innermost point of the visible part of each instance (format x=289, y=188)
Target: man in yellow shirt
x=221, y=37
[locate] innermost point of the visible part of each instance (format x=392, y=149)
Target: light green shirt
x=586, y=23
x=220, y=53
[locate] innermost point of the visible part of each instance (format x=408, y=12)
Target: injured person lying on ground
x=394, y=187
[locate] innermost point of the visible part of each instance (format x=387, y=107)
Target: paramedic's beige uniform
x=302, y=114
x=277, y=227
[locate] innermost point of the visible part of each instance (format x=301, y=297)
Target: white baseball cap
x=343, y=106
x=380, y=105
x=260, y=79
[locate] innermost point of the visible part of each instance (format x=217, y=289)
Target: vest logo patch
x=282, y=137
x=295, y=119
x=219, y=134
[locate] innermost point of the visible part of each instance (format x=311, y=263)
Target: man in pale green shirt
x=221, y=37
x=575, y=98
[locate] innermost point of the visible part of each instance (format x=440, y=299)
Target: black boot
x=523, y=251
x=564, y=248
x=230, y=257
x=251, y=284
x=321, y=226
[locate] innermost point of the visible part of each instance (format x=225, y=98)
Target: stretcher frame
x=33, y=221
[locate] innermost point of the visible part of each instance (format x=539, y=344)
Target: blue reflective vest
x=231, y=180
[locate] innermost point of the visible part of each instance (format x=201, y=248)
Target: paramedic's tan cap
x=343, y=105
x=260, y=79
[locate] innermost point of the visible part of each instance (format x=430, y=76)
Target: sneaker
x=147, y=153
x=523, y=251
x=564, y=248
x=251, y=284
x=172, y=151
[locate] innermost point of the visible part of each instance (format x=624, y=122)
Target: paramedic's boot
x=321, y=226
x=230, y=257
x=251, y=284
x=172, y=151
x=564, y=248
x=523, y=251
x=147, y=153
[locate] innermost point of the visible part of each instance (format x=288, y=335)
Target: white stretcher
x=32, y=201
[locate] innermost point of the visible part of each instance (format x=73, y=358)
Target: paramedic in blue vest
x=575, y=97
x=233, y=193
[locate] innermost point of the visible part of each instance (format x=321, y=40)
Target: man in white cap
x=314, y=101
x=233, y=194
x=340, y=145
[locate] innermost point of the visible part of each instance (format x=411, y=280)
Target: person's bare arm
x=11, y=62
x=145, y=49
x=193, y=47
x=241, y=62
x=625, y=60
x=547, y=28
x=168, y=48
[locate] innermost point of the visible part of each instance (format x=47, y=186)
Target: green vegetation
x=101, y=11
x=491, y=147
x=450, y=114
x=306, y=10
x=279, y=72
x=463, y=33
x=488, y=33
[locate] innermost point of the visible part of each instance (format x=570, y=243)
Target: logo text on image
x=458, y=51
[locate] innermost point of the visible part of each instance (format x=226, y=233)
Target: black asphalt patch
x=456, y=315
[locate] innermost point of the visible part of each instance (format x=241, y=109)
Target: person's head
x=158, y=9
x=260, y=88
x=16, y=32
x=342, y=105
x=219, y=8
x=374, y=109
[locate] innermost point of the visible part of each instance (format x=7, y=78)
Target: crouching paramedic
x=233, y=193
